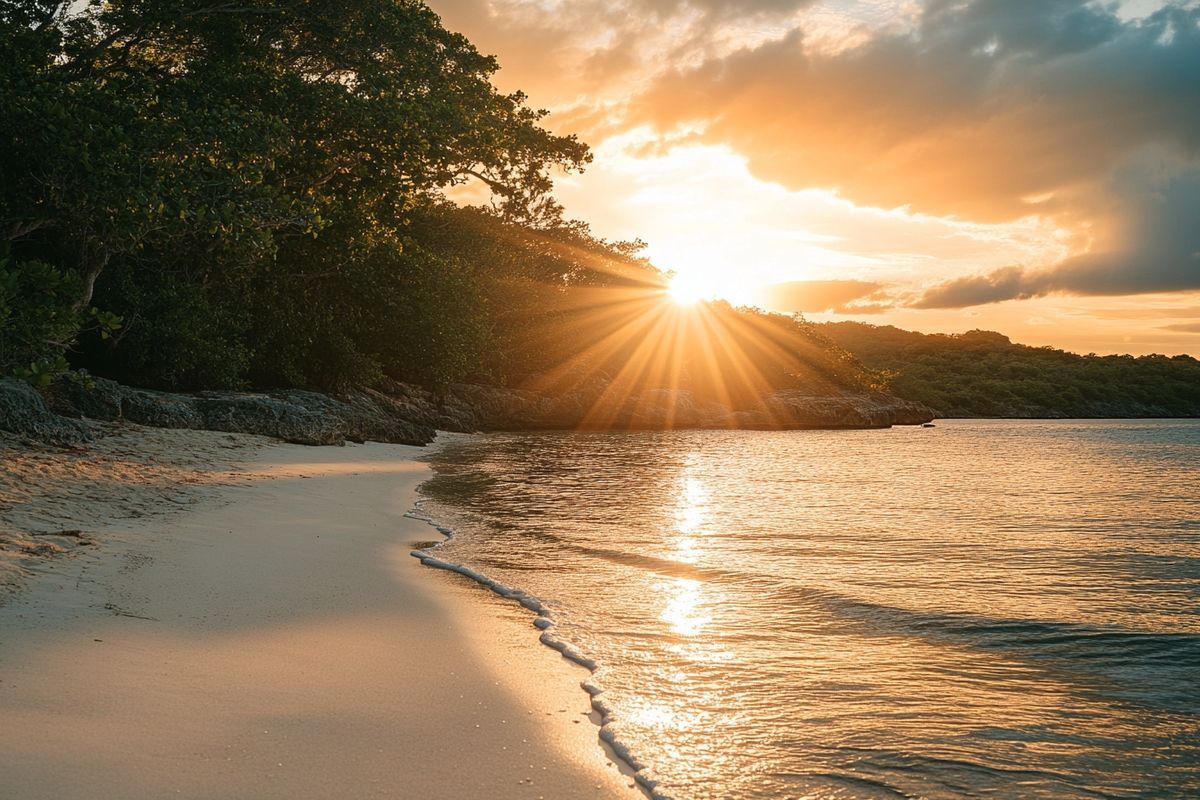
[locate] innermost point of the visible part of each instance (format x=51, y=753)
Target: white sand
x=131, y=473
x=277, y=641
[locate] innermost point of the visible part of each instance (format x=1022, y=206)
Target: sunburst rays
x=650, y=359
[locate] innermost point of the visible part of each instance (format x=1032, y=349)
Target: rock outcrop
x=293, y=416
x=845, y=410
x=496, y=409
x=405, y=414
x=25, y=413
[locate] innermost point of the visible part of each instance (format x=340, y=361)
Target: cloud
x=1007, y=283
x=1183, y=327
x=602, y=51
x=982, y=110
x=990, y=111
x=1035, y=115
x=1155, y=247
x=831, y=295
x=1179, y=312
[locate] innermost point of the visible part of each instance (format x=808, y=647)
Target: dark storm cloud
x=1008, y=283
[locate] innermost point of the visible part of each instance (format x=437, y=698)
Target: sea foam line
x=544, y=622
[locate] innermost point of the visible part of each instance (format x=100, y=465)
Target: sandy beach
x=247, y=622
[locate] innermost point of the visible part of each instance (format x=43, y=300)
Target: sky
x=1026, y=166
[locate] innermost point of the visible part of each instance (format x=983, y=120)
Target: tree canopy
x=204, y=194
x=206, y=170
x=983, y=374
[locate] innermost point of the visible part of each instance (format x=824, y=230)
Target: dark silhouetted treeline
x=204, y=194
x=982, y=373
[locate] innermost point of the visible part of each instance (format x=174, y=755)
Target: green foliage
x=42, y=373
x=431, y=348
x=982, y=373
x=37, y=320
x=253, y=193
x=105, y=323
x=537, y=288
x=236, y=181
x=176, y=334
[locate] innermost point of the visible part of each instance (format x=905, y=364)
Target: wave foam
x=544, y=621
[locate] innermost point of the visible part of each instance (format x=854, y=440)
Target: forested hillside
x=982, y=373
x=201, y=195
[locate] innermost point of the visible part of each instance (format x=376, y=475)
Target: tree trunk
x=94, y=266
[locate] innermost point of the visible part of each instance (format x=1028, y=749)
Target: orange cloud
x=916, y=144
x=987, y=110
x=838, y=296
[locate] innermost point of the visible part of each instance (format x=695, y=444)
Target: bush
x=176, y=335
x=38, y=320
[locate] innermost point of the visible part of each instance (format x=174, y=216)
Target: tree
x=200, y=149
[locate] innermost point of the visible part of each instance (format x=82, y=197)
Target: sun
x=687, y=290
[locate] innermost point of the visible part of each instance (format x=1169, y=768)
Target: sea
x=985, y=608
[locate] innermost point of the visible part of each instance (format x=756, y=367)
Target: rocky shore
x=406, y=414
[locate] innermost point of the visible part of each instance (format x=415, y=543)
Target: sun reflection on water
x=694, y=506
x=690, y=516
x=681, y=610
x=821, y=615
x=659, y=717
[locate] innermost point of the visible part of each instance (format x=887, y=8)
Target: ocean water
x=982, y=609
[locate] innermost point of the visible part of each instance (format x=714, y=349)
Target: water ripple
x=984, y=609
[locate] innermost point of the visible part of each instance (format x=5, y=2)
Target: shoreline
x=275, y=640
x=543, y=621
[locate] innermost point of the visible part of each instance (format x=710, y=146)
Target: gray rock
x=497, y=408
x=293, y=416
x=423, y=407
x=236, y=412
x=845, y=410
x=363, y=416
x=407, y=414
x=93, y=398
x=161, y=409
x=103, y=399
x=24, y=412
